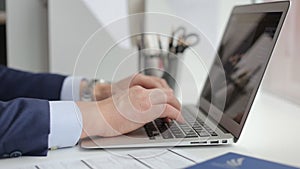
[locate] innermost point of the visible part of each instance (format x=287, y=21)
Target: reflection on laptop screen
x=244, y=53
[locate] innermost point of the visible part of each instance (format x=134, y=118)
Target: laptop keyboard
x=168, y=130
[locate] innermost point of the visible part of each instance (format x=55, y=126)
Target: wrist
x=97, y=120
x=102, y=91
x=92, y=90
x=91, y=119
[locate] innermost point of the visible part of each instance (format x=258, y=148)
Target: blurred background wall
x=47, y=35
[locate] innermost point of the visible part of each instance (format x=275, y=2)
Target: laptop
x=229, y=91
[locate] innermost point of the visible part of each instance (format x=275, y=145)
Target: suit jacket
x=24, y=111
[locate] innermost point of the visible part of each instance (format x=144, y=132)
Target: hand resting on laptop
x=133, y=102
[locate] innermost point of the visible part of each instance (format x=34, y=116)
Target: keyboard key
x=179, y=135
x=152, y=138
x=214, y=134
x=161, y=125
x=151, y=130
x=175, y=130
x=191, y=135
x=187, y=130
x=199, y=130
x=203, y=134
x=163, y=129
x=167, y=134
x=183, y=125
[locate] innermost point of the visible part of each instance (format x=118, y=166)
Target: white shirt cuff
x=65, y=124
x=71, y=88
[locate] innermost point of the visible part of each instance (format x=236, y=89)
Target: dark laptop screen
x=244, y=52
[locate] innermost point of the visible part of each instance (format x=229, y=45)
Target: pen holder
x=159, y=63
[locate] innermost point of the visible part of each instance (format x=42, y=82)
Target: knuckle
x=139, y=93
x=168, y=109
x=170, y=94
x=138, y=89
x=163, y=81
x=145, y=105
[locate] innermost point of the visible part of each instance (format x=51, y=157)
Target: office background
x=47, y=35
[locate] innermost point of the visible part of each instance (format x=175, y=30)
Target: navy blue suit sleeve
x=24, y=127
x=16, y=84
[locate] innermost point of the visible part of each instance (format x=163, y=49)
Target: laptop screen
x=238, y=69
x=244, y=53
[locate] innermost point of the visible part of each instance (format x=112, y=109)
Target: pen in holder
x=172, y=69
x=152, y=62
x=164, y=63
x=160, y=64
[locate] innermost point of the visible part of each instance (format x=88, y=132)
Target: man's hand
x=103, y=91
x=148, y=82
x=128, y=110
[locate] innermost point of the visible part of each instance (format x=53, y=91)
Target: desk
x=271, y=132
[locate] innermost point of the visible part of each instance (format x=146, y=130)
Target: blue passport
x=237, y=161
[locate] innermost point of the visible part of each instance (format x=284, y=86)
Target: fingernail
x=169, y=120
x=180, y=119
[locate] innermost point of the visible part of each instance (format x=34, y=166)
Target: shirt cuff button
x=15, y=154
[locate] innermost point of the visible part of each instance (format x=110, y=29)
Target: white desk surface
x=271, y=133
